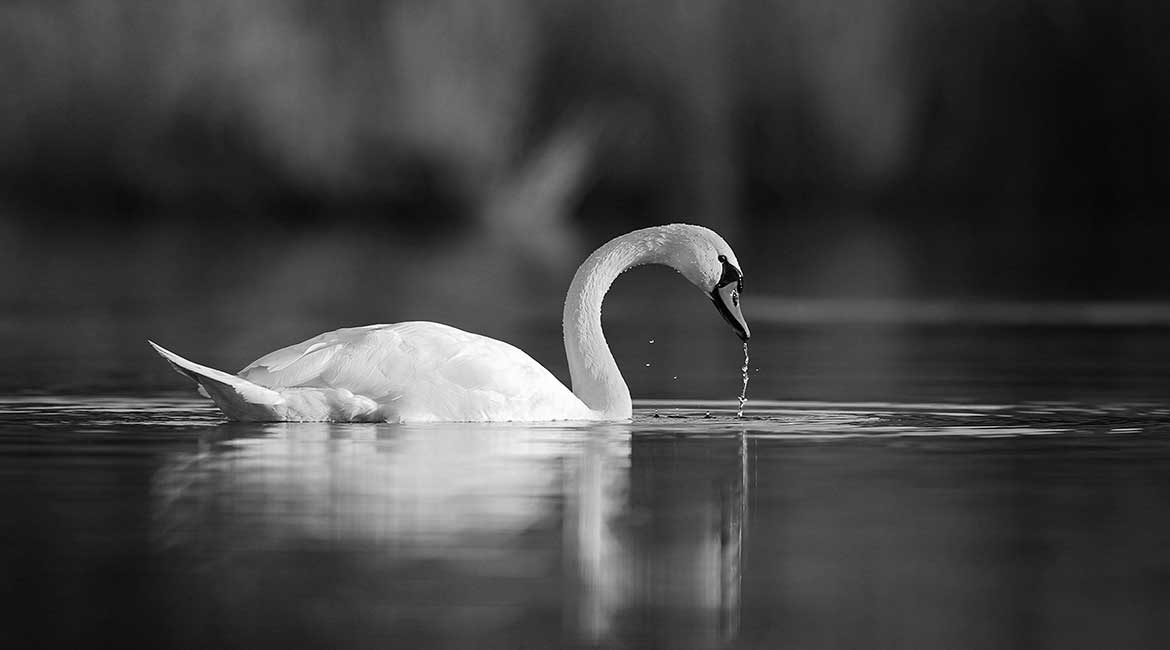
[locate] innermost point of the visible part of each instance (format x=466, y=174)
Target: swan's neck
x=595, y=376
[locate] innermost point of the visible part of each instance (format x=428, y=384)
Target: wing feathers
x=421, y=371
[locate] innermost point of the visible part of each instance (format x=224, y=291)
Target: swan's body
x=427, y=372
x=405, y=372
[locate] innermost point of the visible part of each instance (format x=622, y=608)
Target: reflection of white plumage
x=420, y=372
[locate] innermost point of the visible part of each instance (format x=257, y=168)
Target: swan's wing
x=430, y=371
x=303, y=364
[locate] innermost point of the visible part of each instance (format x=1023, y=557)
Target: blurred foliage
x=1016, y=148
x=709, y=105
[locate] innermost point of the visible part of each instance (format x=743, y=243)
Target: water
x=898, y=484
x=743, y=390
x=151, y=522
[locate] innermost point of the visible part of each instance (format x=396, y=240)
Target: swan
x=429, y=372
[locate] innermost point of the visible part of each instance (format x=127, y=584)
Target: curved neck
x=596, y=380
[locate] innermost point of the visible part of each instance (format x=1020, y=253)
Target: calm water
x=934, y=474
x=943, y=486
x=150, y=522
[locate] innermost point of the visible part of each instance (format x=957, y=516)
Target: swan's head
x=710, y=264
x=725, y=295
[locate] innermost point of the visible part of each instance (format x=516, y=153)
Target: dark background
x=230, y=177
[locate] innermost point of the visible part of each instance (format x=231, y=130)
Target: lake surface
x=985, y=477
x=146, y=520
x=945, y=464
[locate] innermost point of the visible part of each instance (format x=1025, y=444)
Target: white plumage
x=428, y=372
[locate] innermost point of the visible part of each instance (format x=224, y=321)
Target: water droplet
x=647, y=365
x=743, y=392
x=651, y=341
x=676, y=378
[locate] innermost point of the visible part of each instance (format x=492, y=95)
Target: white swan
x=427, y=372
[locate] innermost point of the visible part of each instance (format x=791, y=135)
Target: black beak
x=726, y=299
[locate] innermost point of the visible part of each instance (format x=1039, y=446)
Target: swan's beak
x=726, y=299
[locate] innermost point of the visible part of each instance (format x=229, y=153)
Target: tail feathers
x=239, y=398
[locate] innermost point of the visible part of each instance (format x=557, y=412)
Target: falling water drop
x=647, y=365
x=651, y=341
x=743, y=392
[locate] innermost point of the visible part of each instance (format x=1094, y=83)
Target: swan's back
x=420, y=371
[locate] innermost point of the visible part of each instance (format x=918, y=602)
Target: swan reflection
x=583, y=526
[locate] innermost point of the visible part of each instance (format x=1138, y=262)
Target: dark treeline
x=942, y=123
x=1024, y=102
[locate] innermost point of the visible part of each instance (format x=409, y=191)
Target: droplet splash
x=743, y=391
